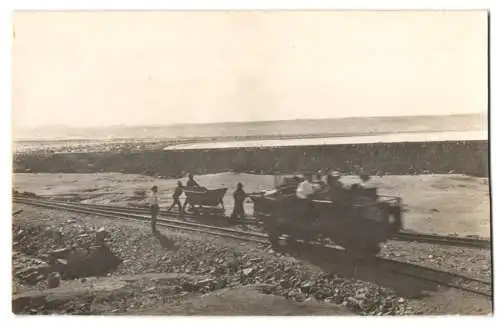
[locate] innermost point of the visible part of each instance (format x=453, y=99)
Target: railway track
x=401, y=236
x=447, y=279
x=134, y=216
x=444, y=240
x=439, y=277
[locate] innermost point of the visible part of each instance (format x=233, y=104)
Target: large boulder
x=98, y=261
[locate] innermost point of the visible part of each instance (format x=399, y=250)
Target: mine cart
x=206, y=201
x=360, y=222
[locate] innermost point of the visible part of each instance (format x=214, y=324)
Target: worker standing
x=190, y=184
x=239, y=198
x=154, y=207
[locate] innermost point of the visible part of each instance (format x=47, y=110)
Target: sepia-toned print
x=251, y=163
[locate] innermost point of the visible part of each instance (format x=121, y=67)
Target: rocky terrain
x=70, y=263
x=211, y=265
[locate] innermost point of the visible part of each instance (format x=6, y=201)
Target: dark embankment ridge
x=464, y=157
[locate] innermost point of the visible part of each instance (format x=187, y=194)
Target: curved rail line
x=400, y=236
x=440, y=277
x=448, y=279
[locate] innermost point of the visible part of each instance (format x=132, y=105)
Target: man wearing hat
x=154, y=207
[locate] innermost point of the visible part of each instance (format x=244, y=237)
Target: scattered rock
x=221, y=267
x=101, y=235
x=248, y=271
x=61, y=253
x=62, y=262
x=53, y=280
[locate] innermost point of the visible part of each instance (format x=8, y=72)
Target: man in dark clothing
x=154, y=207
x=239, y=198
x=177, y=193
x=191, y=183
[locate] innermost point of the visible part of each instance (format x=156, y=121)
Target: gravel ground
x=222, y=263
x=474, y=263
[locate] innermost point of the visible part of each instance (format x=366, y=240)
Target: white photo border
x=6, y=20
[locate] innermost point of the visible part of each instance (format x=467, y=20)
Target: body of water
x=387, y=138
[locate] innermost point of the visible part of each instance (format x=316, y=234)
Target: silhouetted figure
x=239, y=198
x=191, y=183
x=177, y=193
x=154, y=207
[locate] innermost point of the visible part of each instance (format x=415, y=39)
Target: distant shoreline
x=401, y=137
x=257, y=130
x=228, y=138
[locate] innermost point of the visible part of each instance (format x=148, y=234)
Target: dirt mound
x=247, y=301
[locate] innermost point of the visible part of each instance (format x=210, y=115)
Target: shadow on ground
x=378, y=271
x=165, y=242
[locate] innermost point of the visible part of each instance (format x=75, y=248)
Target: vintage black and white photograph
x=251, y=163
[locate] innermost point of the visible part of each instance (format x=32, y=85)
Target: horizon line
x=246, y=122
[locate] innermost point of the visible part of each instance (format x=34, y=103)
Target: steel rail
x=186, y=226
x=440, y=277
x=143, y=214
x=443, y=239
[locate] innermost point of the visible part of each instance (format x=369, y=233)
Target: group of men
x=329, y=188
x=326, y=187
x=239, y=198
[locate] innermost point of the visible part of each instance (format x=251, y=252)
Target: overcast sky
x=97, y=69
